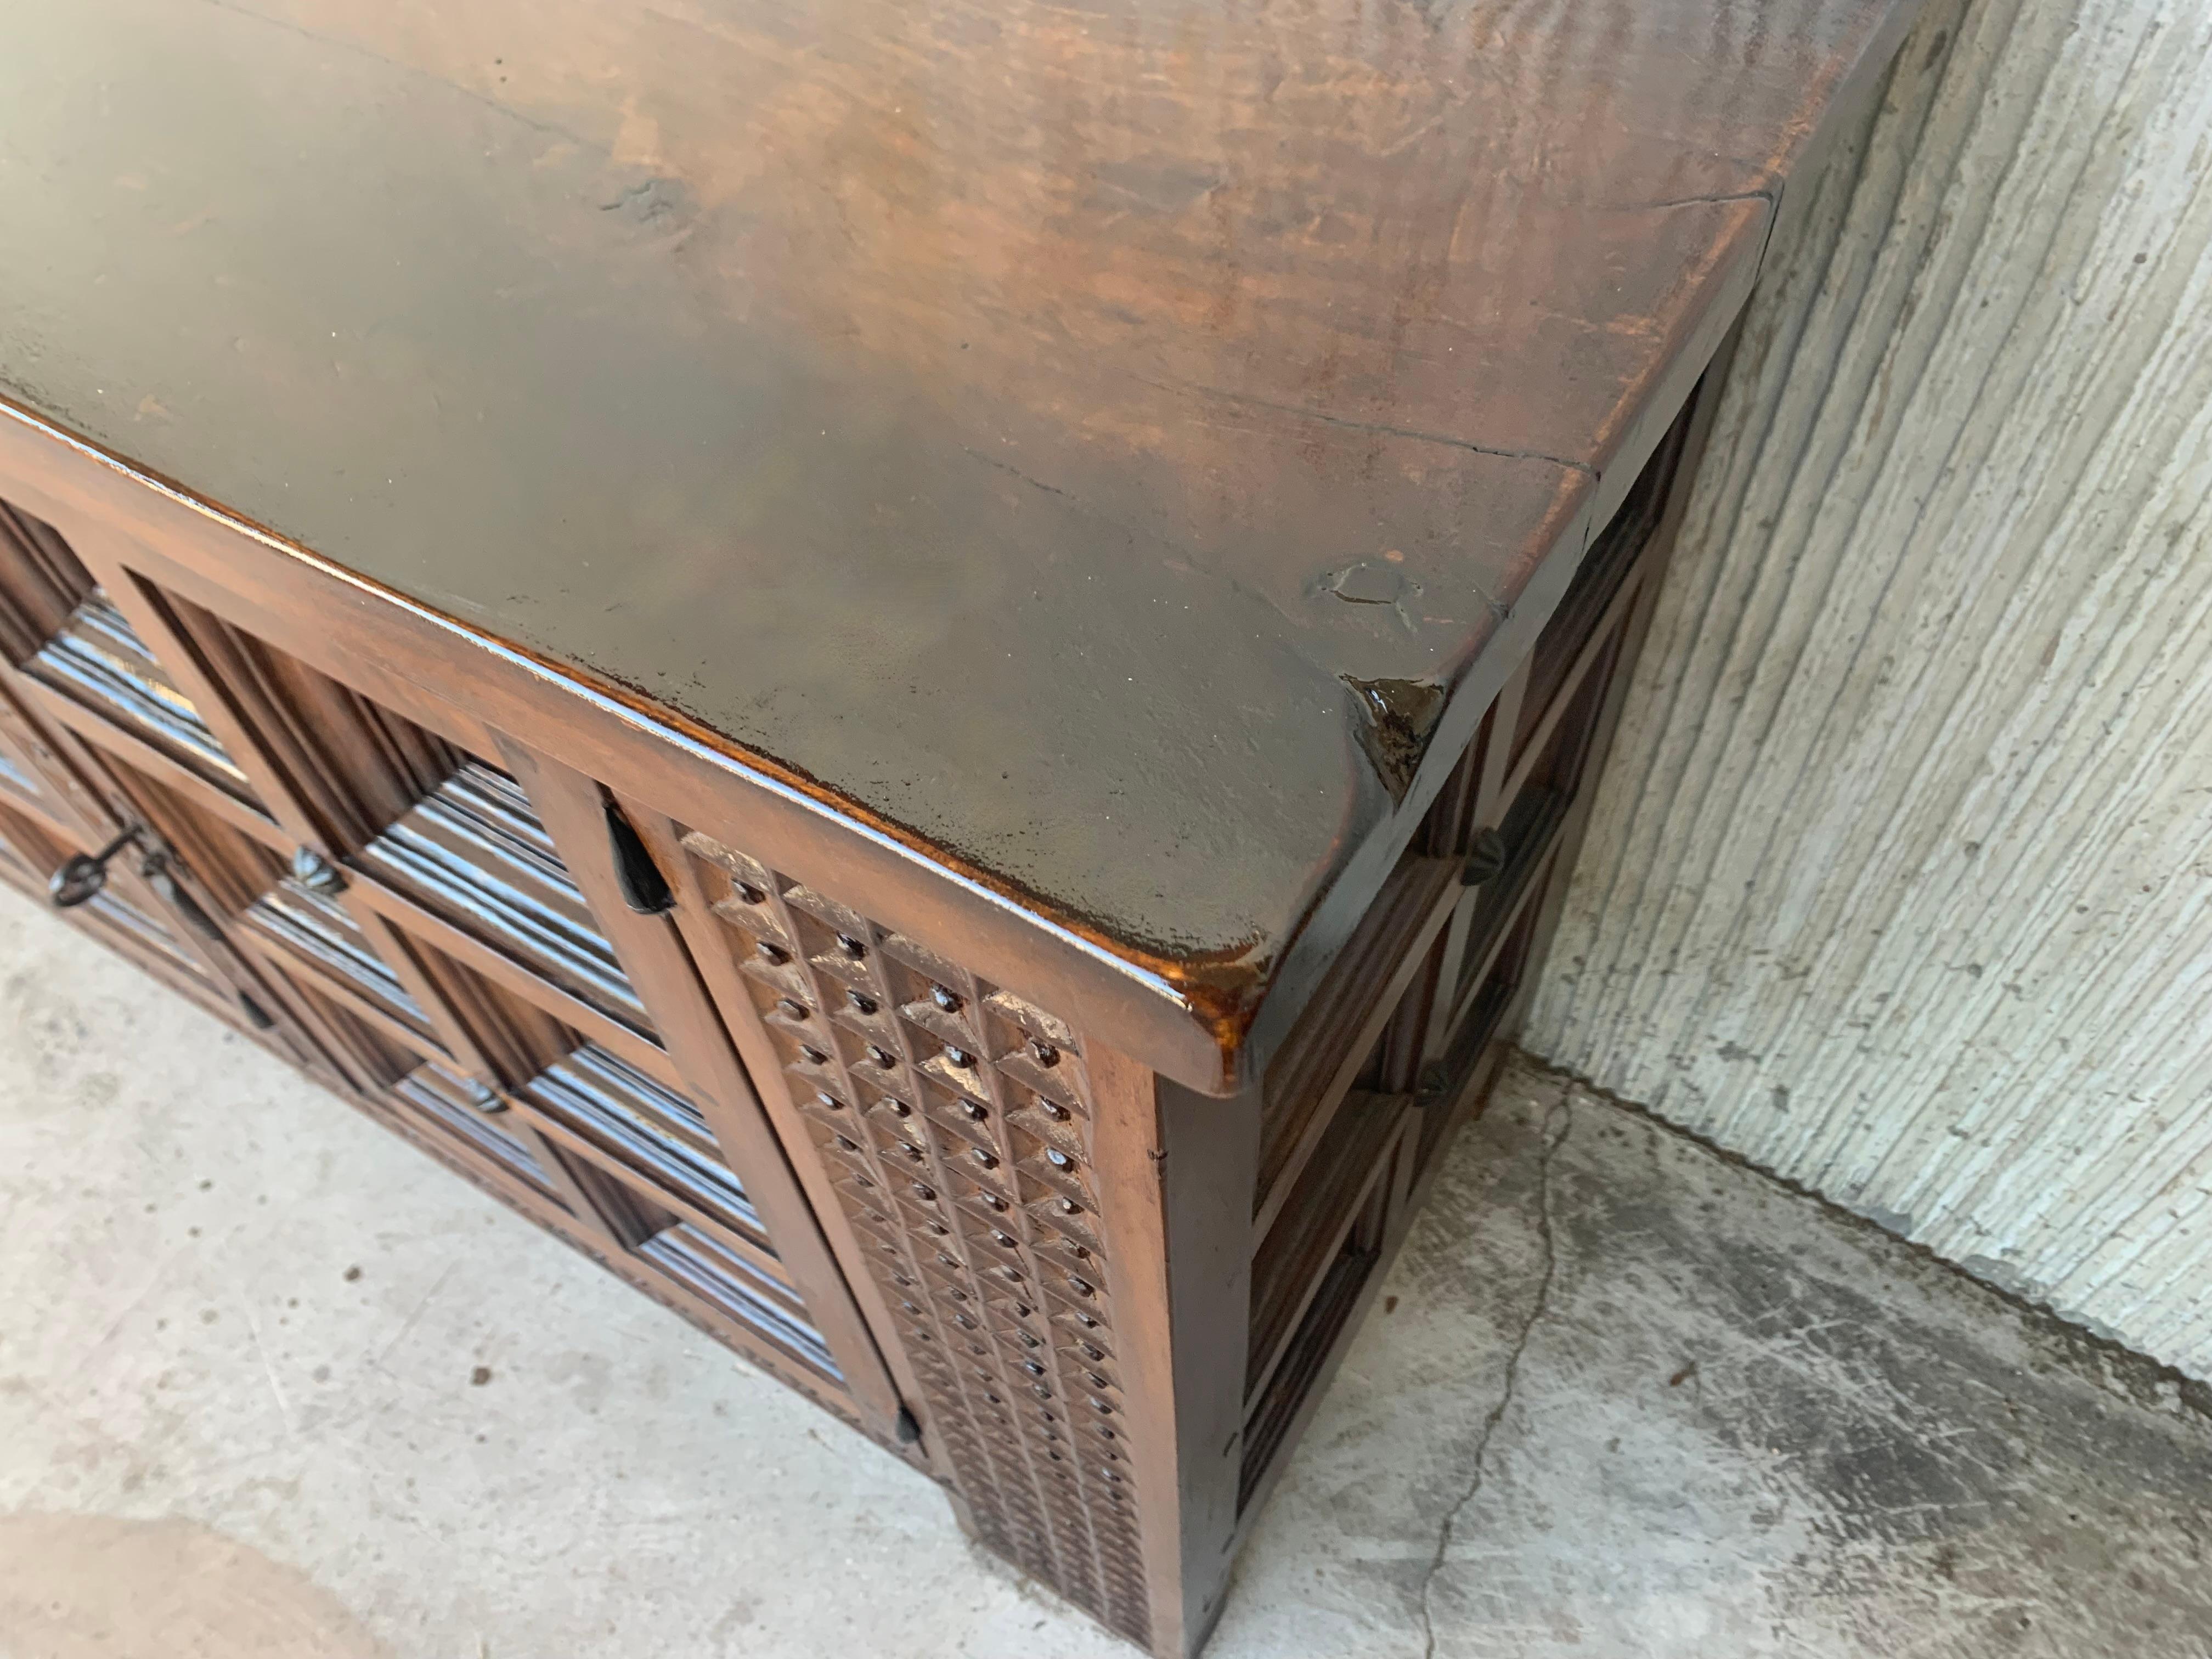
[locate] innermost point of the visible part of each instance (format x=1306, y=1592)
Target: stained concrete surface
x=1623, y=1398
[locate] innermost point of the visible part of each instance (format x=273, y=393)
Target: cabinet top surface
x=1048, y=431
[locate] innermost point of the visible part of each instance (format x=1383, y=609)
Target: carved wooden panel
x=97, y=660
x=41, y=581
x=472, y=849
x=312, y=935
x=67, y=637
x=957, y=1120
x=438, y=1098
x=624, y=1115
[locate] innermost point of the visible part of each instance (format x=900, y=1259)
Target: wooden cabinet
x=960, y=1220
x=943, y=727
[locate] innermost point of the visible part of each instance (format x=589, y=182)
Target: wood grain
x=1077, y=444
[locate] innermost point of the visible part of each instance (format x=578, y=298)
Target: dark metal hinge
x=644, y=889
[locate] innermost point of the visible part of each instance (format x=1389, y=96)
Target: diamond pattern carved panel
x=956, y=1121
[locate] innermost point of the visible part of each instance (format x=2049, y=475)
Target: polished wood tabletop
x=1106, y=444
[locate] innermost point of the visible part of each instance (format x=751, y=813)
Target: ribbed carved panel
x=957, y=1121
x=100, y=661
x=440, y=1099
x=649, y=1129
x=474, y=851
x=321, y=939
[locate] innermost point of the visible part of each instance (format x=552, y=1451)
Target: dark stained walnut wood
x=960, y=1126
x=1109, y=450
x=925, y=674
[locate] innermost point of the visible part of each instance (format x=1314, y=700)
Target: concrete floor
x=270, y=1383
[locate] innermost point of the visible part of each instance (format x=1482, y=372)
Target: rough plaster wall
x=1900, y=880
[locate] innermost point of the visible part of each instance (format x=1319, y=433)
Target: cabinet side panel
x=957, y=1125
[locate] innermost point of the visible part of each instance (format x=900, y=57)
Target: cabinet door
x=442, y=911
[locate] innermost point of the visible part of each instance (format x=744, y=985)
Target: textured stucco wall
x=1900, y=880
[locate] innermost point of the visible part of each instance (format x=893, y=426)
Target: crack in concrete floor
x=1497, y=1412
